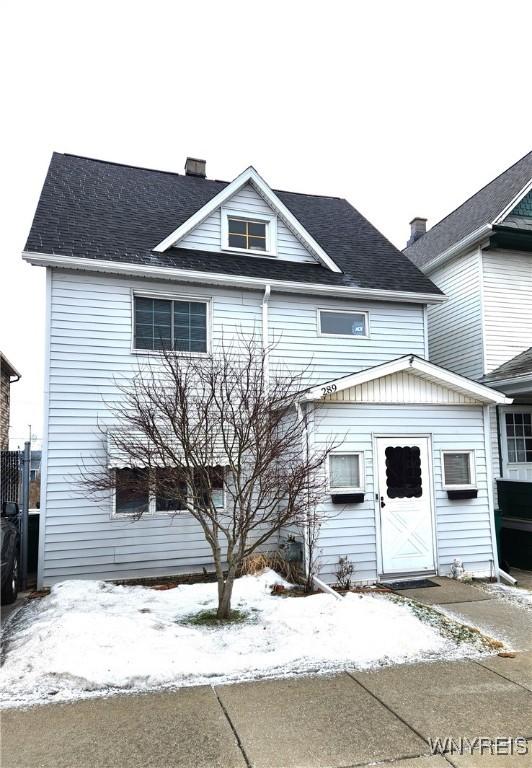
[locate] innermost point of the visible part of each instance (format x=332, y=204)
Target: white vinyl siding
x=207, y=235
x=507, y=307
x=395, y=330
x=455, y=327
x=462, y=527
x=90, y=351
x=401, y=387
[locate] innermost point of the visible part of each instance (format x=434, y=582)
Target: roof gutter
x=466, y=242
x=13, y=374
x=196, y=276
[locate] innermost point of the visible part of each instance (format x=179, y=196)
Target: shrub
x=344, y=572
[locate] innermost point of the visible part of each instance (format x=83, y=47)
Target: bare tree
x=188, y=425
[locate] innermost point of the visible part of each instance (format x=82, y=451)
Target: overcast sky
x=405, y=108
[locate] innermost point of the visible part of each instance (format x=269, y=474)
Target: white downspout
x=266, y=334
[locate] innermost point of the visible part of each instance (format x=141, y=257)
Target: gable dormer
x=247, y=217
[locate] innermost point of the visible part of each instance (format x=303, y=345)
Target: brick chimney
x=418, y=228
x=195, y=167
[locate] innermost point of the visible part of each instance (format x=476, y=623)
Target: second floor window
x=246, y=234
x=170, y=324
x=343, y=323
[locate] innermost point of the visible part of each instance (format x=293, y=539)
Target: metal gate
x=10, y=476
x=15, y=486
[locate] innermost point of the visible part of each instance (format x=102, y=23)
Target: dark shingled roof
x=520, y=365
x=480, y=209
x=98, y=210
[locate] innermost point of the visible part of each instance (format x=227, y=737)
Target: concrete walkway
x=350, y=719
x=476, y=607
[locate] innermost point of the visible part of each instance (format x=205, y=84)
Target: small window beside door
x=346, y=472
x=458, y=470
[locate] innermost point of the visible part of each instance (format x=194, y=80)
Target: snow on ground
x=522, y=597
x=92, y=638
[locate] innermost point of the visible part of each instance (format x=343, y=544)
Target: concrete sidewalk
x=349, y=719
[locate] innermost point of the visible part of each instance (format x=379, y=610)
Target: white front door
x=405, y=505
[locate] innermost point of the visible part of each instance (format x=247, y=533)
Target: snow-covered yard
x=90, y=638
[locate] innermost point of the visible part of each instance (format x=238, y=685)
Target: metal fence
x=10, y=476
x=15, y=486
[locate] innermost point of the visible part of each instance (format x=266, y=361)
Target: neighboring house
x=35, y=466
x=480, y=255
x=35, y=480
x=8, y=375
x=135, y=255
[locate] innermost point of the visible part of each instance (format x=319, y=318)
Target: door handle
x=382, y=502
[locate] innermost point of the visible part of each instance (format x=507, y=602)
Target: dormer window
x=244, y=233
x=255, y=234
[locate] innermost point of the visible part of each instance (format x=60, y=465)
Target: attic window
x=243, y=233
x=254, y=234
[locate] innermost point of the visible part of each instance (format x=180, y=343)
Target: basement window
x=458, y=470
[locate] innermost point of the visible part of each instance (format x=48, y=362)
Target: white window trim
x=504, y=436
x=170, y=297
x=361, y=470
x=343, y=312
x=152, y=512
x=472, y=470
x=264, y=218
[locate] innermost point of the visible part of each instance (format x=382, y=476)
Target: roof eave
x=467, y=242
x=10, y=367
x=219, y=278
x=513, y=385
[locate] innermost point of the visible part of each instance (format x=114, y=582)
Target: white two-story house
x=134, y=256
x=480, y=255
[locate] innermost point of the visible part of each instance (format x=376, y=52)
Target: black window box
x=466, y=493
x=347, y=498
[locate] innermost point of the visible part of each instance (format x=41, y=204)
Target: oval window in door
x=403, y=472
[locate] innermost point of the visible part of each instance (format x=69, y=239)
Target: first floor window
x=131, y=492
x=165, y=490
x=170, y=324
x=458, y=470
x=333, y=323
x=170, y=491
x=519, y=437
x=210, y=482
x=345, y=471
